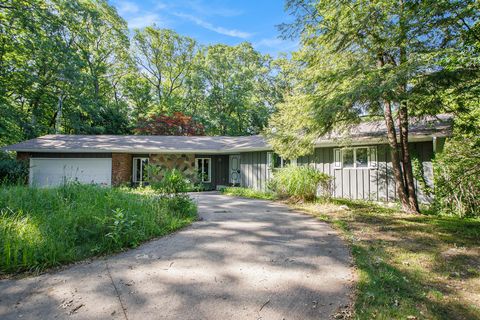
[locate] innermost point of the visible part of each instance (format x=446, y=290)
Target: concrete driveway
x=245, y=259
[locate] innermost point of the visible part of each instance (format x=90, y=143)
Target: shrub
x=12, y=171
x=40, y=228
x=300, y=182
x=457, y=177
x=169, y=181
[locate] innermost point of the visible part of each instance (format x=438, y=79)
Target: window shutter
x=337, y=154
x=372, y=157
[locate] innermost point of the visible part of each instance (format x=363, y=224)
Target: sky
x=213, y=21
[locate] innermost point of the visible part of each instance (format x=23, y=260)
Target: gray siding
x=253, y=170
x=367, y=184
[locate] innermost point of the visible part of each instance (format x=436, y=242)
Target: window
x=204, y=169
x=139, y=171
x=356, y=158
x=275, y=161
x=361, y=158
x=348, y=160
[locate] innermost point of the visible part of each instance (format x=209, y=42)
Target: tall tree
x=164, y=59
x=365, y=58
x=231, y=79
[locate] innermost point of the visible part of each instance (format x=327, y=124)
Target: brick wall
x=23, y=156
x=121, y=168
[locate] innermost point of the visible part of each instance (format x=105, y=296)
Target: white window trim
x=282, y=161
x=134, y=169
x=371, y=152
x=209, y=168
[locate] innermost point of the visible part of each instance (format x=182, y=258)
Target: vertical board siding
x=367, y=184
x=254, y=172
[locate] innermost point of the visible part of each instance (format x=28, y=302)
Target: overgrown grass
x=409, y=266
x=248, y=193
x=41, y=228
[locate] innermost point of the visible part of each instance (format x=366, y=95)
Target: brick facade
x=185, y=163
x=23, y=156
x=121, y=168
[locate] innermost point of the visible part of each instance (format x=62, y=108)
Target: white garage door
x=54, y=172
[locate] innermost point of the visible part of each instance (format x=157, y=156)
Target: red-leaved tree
x=177, y=124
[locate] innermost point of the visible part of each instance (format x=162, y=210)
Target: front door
x=234, y=165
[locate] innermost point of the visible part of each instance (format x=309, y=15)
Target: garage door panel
x=54, y=172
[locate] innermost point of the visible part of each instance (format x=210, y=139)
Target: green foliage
x=300, y=182
x=41, y=228
x=169, y=181
x=70, y=67
x=419, y=174
x=248, y=193
x=457, y=177
x=233, y=95
x=12, y=171
x=359, y=56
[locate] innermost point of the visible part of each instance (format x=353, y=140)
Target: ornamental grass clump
x=300, y=182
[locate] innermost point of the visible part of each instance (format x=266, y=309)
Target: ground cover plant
x=408, y=266
x=248, y=193
x=41, y=228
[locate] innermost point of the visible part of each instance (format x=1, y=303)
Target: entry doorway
x=234, y=169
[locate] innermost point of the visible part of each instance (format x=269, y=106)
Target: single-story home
x=358, y=159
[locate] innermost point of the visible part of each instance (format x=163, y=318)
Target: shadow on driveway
x=245, y=259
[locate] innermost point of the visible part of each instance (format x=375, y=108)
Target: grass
x=409, y=266
x=42, y=228
x=248, y=193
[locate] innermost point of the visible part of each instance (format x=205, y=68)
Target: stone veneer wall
x=121, y=168
x=185, y=163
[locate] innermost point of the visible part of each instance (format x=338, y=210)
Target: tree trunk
x=394, y=147
x=407, y=161
x=394, y=150
x=403, y=122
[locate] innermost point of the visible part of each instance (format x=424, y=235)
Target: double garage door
x=45, y=172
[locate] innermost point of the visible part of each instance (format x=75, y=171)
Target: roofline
x=323, y=143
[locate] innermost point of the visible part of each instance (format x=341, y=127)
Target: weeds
x=41, y=228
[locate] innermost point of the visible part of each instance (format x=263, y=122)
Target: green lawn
x=42, y=228
x=409, y=266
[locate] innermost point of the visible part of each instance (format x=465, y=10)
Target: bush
x=12, y=171
x=457, y=177
x=300, y=182
x=169, y=181
x=40, y=228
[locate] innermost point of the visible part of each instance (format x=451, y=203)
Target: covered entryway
x=49, y=172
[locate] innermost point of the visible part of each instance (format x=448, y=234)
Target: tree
x=231, y=79
x=364, y=59
x=60, y=64
x=176, y=125
x=164, y=59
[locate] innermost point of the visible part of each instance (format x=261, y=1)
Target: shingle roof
x=425, y=127
x=138, y=144
x=440, y=125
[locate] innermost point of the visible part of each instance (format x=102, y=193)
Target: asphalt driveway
x=245, y=259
